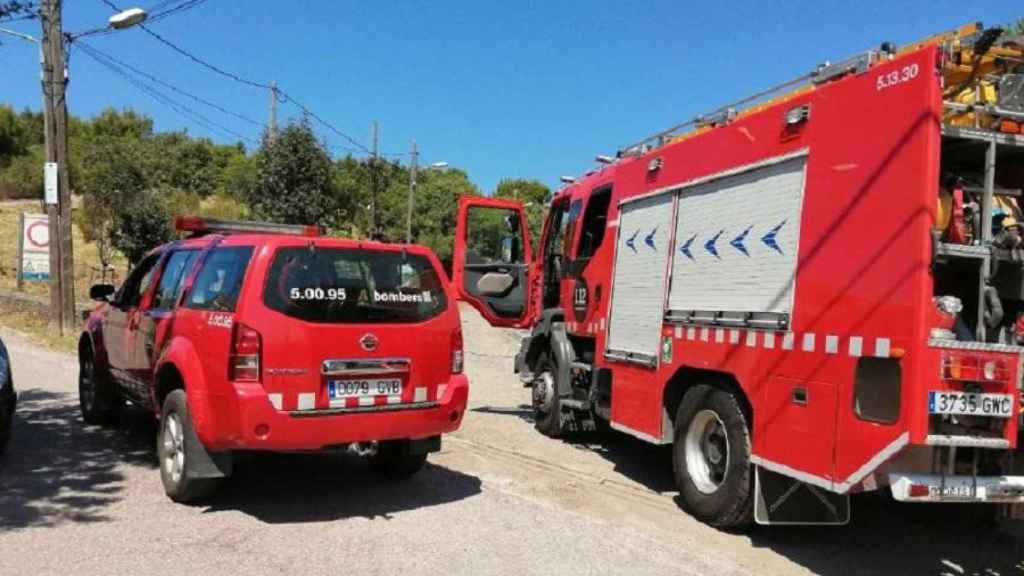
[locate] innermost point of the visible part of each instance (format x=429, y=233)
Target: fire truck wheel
x=546, y=406
x=394, y=459
x=711, y=457
x=175, y=441
x=97, y=398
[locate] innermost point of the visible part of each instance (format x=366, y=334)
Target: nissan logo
x=369, y=342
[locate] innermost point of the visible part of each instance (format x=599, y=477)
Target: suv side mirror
x=101, y=292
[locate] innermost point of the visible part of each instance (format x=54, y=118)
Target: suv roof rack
x=201, y=226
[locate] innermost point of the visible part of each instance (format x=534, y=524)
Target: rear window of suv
x=348, y=286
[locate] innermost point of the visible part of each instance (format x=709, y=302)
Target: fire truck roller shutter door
x=638, y=289
x=737, y=238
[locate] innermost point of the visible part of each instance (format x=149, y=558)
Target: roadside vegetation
x=129, y=182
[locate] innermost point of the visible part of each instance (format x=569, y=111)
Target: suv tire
x=711, y=457
x=395, y=460
x=174, y=443
x=97, y=398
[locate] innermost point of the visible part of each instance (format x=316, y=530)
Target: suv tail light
x=244, y=363
x=457, y=356
x=970, y=368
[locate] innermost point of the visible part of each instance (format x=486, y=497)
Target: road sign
x=34, y=248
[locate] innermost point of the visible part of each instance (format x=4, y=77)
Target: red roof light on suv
x=201, y=226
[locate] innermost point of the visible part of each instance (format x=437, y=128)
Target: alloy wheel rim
x=173, y=444
x=707, y=451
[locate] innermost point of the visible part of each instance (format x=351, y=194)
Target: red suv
x=250, y=336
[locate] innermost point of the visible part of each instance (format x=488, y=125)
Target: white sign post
x=50, y=182
x=34, y=248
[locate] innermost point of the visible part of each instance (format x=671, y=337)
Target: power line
x=178, y=107
x=282, y=94
x=171, y=86
x=183, y=7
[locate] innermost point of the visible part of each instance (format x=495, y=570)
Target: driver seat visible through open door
x=493, y=263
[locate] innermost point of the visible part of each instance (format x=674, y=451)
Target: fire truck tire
x=97, y=398
x=394, y=459
x=546, y=404
x=711, y=457
x=176, y=448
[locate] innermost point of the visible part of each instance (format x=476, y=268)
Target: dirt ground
x=500, y=498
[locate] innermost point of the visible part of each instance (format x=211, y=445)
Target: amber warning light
x=202, y=226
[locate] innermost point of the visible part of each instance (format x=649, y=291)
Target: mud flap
x=780, y=499
x=203, y=464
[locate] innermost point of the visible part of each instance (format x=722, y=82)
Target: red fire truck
x=807, y=295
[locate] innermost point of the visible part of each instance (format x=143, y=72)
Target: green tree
x=437, y=201
x=294, y=179
x=14, y=135
x=352, y=192
x=141, y=225
x=127, y=123
x=237, y=177
x=534, y=195
x=112, y=186
x=23, y=177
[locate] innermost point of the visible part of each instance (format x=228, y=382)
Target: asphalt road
x=499, y=499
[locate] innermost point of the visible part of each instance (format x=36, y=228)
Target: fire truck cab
x=817, y=295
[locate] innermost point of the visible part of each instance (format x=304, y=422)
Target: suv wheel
x=99, y=402
x=394, y=459
x=711, y=457
x=175, y=441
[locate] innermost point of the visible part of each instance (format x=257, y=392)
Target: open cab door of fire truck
x=493, y=257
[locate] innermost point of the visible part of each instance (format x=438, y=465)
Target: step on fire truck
x=814, y=292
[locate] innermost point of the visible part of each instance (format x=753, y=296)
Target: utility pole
x=272, y=134
x=374, y=179
x=412, y=195
x=55, y=114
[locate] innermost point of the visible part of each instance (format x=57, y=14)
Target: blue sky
x=499, y=89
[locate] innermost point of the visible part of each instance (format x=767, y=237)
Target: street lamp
x=128, y=18
x=55, y=115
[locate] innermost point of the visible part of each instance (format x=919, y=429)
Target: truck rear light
x=457, y=354
x=970, y=368
x=918, y=491
x=244, y=363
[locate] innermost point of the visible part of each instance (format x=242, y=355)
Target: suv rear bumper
x=259, y=426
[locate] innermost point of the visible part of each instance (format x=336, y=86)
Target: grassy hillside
x=86, y=257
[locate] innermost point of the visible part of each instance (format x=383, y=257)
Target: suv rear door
x=492, y=269
x=150, y=325
x=207, y=313
x=354, y=328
